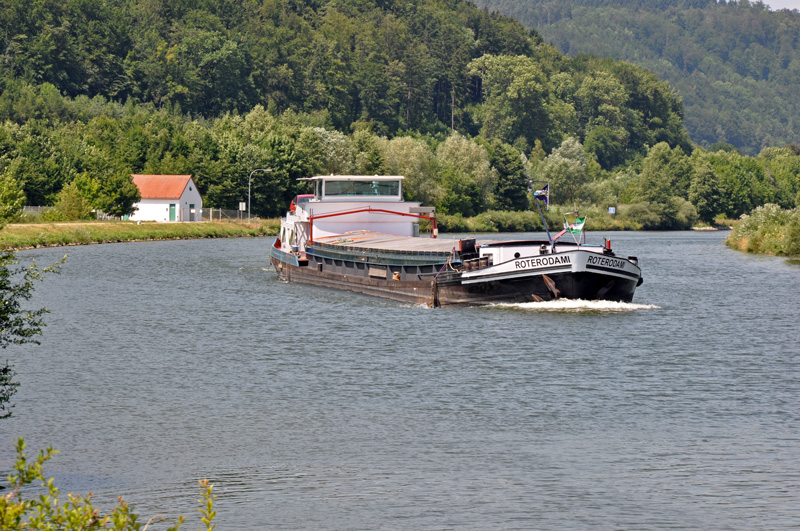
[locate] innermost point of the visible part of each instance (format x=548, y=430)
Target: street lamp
x=249, y=182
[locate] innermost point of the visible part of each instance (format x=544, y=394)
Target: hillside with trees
x=468, y=105
x=736, y=65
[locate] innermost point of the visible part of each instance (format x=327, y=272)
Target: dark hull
x=586, y=286
x=415, y=292
x=447, y=289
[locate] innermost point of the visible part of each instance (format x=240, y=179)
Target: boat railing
x=312, y=218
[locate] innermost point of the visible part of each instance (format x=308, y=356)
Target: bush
x=49, y=512
x=71, y=205
x=643, y=215
x=597, y=218
x=676, y=214
x=686, y=216
x=791, y=240
x=53, y=215
x=769, y=230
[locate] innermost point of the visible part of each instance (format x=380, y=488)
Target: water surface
x=167, y=362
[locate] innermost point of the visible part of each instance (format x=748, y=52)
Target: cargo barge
x=357, y=233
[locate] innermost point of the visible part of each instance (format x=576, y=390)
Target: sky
x=775, y=5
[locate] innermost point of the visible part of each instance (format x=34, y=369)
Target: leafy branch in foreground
x=17, y=325
x=49, y=512
x=207, y=502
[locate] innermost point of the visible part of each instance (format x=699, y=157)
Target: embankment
x=33, y=235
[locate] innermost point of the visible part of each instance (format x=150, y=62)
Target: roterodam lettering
x=541, y=261
x=606, y=262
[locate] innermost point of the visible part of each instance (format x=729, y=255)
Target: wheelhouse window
x=362, y=188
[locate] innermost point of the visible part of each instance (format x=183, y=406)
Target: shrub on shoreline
x=767, y=230
x=597, y=218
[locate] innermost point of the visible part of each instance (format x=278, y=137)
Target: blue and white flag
x=543, y=194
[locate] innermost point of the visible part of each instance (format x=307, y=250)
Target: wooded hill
x=736, y=65
x=465, y=103
x=396, y=66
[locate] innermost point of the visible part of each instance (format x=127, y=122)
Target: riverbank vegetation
x=470, y=106
x=768, y=230
x=31, y=235
x=52, y=511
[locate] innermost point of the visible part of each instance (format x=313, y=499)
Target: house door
x=191, y=212
x=172, y=212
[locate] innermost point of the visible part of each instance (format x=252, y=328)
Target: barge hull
x=445, y=292
x=586, y=286
x=414, y=292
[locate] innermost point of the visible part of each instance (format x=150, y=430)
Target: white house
x=167, y=198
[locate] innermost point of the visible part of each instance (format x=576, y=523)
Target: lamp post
x=249, y=182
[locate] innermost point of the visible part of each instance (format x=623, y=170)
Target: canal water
x=167, y=362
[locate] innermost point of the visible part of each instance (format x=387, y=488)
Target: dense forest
x=468, y=104
x=736, y=65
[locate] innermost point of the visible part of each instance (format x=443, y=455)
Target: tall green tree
x=566, y=169
x=663, y=188
x=18, y=325
x=511, y=184
x=515, y=95
x=118, y=195
x=465, y=174
x=414, y=160
x=704, y=191
x=12, y=199
x=741, y=182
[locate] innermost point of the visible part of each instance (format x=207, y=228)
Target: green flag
x=577, y=227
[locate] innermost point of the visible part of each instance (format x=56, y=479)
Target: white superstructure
x=345, y=203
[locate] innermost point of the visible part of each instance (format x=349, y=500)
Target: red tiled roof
x=161, y=186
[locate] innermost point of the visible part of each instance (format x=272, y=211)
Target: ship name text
x=541, y=261
x=606, y=262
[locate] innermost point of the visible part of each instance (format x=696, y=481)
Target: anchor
x=551, y=286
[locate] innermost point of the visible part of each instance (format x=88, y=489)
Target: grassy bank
x=597, y=219
x=767, y=230
x=32, y=235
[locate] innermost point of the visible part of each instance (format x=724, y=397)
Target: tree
x=704, y=189
x=369, y=159
x=18, y=326
x=413, y=159
x=118, y=195
x=782, y=171
x=465, y=173
x=511, y=186
x=12, y=199
x=566, y=169
x=607, y=144
x=666, y=172
x=516, y=92
x=663, y=186
x=71, y=204
x=741, y=183
x=335, y=153
x=601, y=99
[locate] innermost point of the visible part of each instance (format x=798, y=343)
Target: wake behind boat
x=357, y=233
